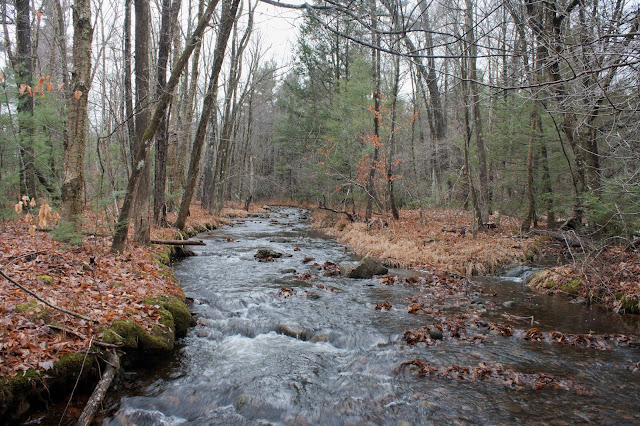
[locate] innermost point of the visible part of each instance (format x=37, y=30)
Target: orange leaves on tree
x=44, y=84
x=77, y=94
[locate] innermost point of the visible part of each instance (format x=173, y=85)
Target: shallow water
x=240, y=365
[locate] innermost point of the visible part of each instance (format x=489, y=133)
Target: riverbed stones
x=365, y=269
x=509, y=303
x=292, y=330
x=435, y=333
x=265, y=253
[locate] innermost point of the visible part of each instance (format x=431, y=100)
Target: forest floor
x=97, y=287
x=442, y=240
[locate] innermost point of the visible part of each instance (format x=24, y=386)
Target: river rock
x=288, y=271
x=265, y=253
x=521, y=272
x=509, y=303
x=435, y=333
x=367, y=268
x=292, y=330
x=320, y=338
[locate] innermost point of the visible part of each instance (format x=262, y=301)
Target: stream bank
x=86, y=300
x=584, y=271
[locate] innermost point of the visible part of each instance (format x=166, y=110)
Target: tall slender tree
x=144, y=146
x=227, y=20
x=76, y=128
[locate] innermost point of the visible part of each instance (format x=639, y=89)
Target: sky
x=278, y=29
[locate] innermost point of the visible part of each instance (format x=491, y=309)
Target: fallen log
x=179, y=242
x=113, y=364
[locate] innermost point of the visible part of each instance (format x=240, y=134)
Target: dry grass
x=410, y=243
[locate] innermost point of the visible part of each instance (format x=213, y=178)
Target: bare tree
x=76, y=128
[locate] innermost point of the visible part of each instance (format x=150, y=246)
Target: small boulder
x=509, y=303
x=265, y=253
x=435, y=333
x=292, y=330
x=367, y=268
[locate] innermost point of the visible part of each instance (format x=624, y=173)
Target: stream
x=318, y=352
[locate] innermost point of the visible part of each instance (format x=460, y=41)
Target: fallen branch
x=113, y=364
x=633, y=245
x=51, y=305
x=322, y=205
x=179, y=242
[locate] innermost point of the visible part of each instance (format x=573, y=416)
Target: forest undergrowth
x=443, y=240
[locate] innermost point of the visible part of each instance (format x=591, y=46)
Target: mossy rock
x=572, y=287
x=163, y=257
x=182, y=318
x=45, y=279
x=133, y=336
x=32, y=385
x=175, y=320
x=35, y=311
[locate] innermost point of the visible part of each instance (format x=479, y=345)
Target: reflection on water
x=241, y=365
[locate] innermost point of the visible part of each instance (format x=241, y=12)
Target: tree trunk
x=169, y=15
x=76, y=127
x=483, y=179
x=141, y=224
x=392, y=139
x=128, y=87
x=185, y=119
x=23, y=68
x=226, y=24
x=142, y=149
x=375, y=74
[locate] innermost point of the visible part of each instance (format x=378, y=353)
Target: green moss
x=550, y=284
x=572, y=287
x=627, y=304
x=45, y=279
x=26, y=306
x=35, y=311
x=133, y=336
x=162, y=257
x=180, y=313
x=33, y=385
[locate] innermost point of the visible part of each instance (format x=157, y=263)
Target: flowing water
x=319, y=353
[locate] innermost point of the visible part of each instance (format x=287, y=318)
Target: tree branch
x=40, y=299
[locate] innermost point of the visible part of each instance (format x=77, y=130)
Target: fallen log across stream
x=179, y=242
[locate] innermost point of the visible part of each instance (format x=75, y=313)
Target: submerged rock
x=367, y=268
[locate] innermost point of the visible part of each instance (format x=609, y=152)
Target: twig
x=35, y=253
x=26, y=290
x=76, y=384
x=83, y=337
